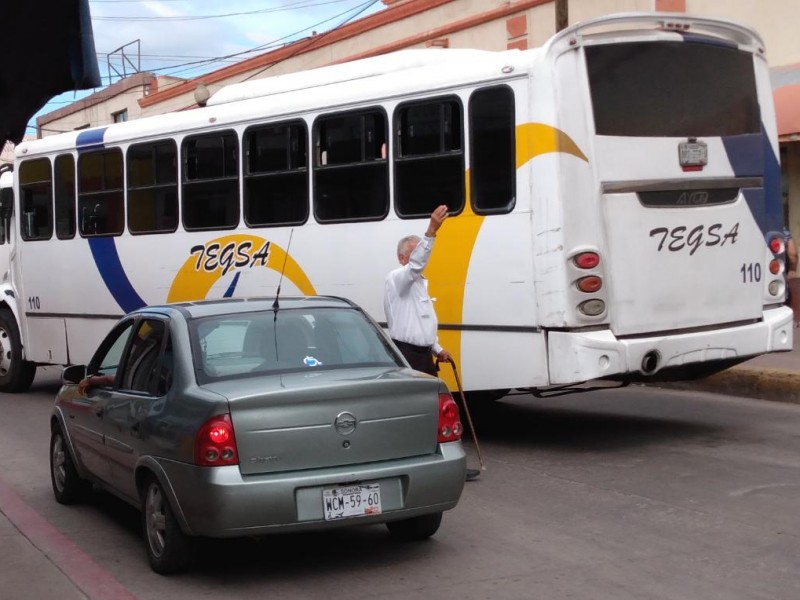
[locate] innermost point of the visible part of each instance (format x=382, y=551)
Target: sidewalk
x=774, y=376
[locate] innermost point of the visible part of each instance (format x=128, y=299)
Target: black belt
x=412, y=347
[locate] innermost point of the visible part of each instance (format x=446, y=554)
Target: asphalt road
x=636, y=493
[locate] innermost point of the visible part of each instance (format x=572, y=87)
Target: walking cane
x=466, y=410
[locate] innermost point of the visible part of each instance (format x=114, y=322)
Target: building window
x=493, y=150
x=64, y=192
x=351, y=173
x=36, y=199
x=101, y=208
x=429, y=157
x=276, y=175
x=121, y=116
x=153, y=187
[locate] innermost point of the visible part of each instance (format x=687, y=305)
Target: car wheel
x=16, y=374
x=68, y=487
x=415, y=528
x=167, y=546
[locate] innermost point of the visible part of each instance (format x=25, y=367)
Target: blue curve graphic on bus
x=752, y=156
x=229, y=292
x=104, y=252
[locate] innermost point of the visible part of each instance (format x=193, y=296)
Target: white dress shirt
x=408, y=307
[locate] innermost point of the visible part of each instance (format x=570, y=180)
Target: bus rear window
x=672, y=89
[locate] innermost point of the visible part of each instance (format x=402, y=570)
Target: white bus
x=614, y=201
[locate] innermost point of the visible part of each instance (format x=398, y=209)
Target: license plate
x=351, y=501
x=693, y=154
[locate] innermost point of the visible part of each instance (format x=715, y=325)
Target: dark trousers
x=419, y=357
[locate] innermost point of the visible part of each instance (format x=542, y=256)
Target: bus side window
x=429, y=157
x=36, y=199
x=210, y=181
x=153, y=187
x=493, y=156
x=276, y=174
x=351, y=178
x=100, y=194
x=64, y=196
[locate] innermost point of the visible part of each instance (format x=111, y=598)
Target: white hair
x=402, y=245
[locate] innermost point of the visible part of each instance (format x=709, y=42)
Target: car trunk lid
x=333, y=418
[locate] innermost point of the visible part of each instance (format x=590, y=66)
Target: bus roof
x=326, y=88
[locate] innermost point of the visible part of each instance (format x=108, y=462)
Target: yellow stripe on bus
x=449, y=263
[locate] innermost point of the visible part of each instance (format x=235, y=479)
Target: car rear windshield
x=672, y=89
x=270, y=342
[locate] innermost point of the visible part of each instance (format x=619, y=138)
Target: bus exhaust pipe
x=650, y=362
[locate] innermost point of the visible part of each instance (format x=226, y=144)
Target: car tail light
x=590, y=284
x=587, y=260
x=776, y=245
x=215, y=443
x=450, y=427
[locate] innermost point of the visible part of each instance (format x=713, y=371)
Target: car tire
x=168, y=548
x=16, y=374
x=68, y=487
x=415, y=528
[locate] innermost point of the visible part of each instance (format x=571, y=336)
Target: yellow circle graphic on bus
x=214, y=259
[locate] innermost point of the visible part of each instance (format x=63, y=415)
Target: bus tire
x=16, y=374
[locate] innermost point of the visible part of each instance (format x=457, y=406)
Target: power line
x=315, y=39
x=302, y=4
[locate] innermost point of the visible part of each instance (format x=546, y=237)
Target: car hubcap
x=155, y=519
x=5, y=353
x=59, y=463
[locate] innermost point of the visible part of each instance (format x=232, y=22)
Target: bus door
x=686, y=178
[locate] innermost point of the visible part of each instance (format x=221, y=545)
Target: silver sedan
x=245, y=417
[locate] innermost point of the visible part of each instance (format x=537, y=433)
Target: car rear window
x=253, y=344
x=672, y=89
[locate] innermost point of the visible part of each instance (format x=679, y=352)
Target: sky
x=186, y=38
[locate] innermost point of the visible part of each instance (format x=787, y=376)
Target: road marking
x=89, y=577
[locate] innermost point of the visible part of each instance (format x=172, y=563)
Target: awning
x=49, y=49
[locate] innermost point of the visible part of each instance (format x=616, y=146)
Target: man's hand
x=444, y=356
x=437, y=218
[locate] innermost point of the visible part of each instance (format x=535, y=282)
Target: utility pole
x=562, y=14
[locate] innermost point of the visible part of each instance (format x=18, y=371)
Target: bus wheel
x=16, y=374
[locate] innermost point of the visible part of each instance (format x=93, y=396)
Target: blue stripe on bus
x=104, y=252
x=708, y=40
x=229, y=292
x=87, y=139
x=752, y=156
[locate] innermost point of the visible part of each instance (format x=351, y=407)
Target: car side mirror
x=6, y=203
x=73, y=374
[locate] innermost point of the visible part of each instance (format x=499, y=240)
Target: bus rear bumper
x=581, y=356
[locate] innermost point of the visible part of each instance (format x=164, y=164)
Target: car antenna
x=275, y=304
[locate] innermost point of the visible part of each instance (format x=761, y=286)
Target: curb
x=777, y=385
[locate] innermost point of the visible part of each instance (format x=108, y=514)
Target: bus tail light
x=774, y=266
x=215, y=443
x=450, y=427
x=590, y=284
x=587, y=260
x=592, y=307
x=774, y=288
x=776, y=245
